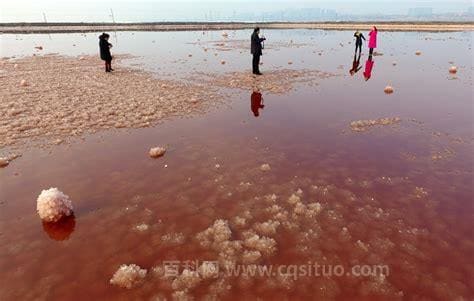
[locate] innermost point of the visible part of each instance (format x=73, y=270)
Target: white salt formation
x=222, y=62
x=23, y=83
x=187, y=280
x=418, y=52
x=52, y=205
x=364, y=125
x=3, y=162
x=453, y=70
x=265, y=167
x=157, y=152
x=388, y=90
x=209, y=270
x=128, y=276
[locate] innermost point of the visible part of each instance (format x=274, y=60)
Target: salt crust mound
x=52, y=205
x=187, y=280
x=87, y=100
x=128, y=276
x=276, y=82
x=157, y=152
x=263, y=244
x=3, y=162
x=364, y=125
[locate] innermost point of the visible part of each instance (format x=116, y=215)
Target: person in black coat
x=256, y=50
x=105, y=55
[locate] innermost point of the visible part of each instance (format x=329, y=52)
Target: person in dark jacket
x=359, y=37
x=105, y=55
x=256, y=50
x=256, y=102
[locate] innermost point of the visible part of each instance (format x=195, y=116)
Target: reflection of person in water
x=62, y=229
x=368, y=68
x=256, y=102
x=355, y=65
x=359, y=37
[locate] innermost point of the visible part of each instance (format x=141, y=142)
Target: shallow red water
x=411, y=212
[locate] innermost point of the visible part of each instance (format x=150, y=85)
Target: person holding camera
x=256, y=47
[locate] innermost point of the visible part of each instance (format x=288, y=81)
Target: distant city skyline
x=236, y=10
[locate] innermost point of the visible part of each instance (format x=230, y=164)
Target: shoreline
x=35, y=28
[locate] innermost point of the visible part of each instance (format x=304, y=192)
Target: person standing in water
x=372, y=40
x=359, y=37
x=256, y=50
x=105, y=54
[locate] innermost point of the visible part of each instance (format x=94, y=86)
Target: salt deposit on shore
x=86, y=99
x=274, y=82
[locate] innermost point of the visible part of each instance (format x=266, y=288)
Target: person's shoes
x=107, y=71
x=258, y=73
x=111, y=69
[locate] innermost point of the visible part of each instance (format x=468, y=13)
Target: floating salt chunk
x=23, y=83
x=157, y=152
x=218, y=166
x=290, y=63
x=225, y=34
x=190, y=55
x=209, y=270
x=249, y=257
x=173, y=238
x=223, y=62
x=142, y=227
x=267, y=228
x=418, y=52
x=263, y=244
x=81, y=58
x=453, y=69
x=3, y=162
x=39, y=47
x=15, y=66
x=52, y=205
x=388, y=90
x=187, y=280
x=294, y=199
x=128, y=276
x=265, y=167
x=394, y=63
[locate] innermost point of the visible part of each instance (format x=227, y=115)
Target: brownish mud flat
x=92, y=27
x=49, y=99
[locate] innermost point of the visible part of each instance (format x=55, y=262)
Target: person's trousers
x=256, y=63
x=359, y=46
x=371, y=51
x=108, y=65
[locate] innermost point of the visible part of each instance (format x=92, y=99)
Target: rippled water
x=404, y=191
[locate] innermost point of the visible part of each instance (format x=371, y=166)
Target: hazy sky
x=157, y=10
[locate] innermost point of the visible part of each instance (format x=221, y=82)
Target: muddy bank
x=51, y=99
x=96, y=27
